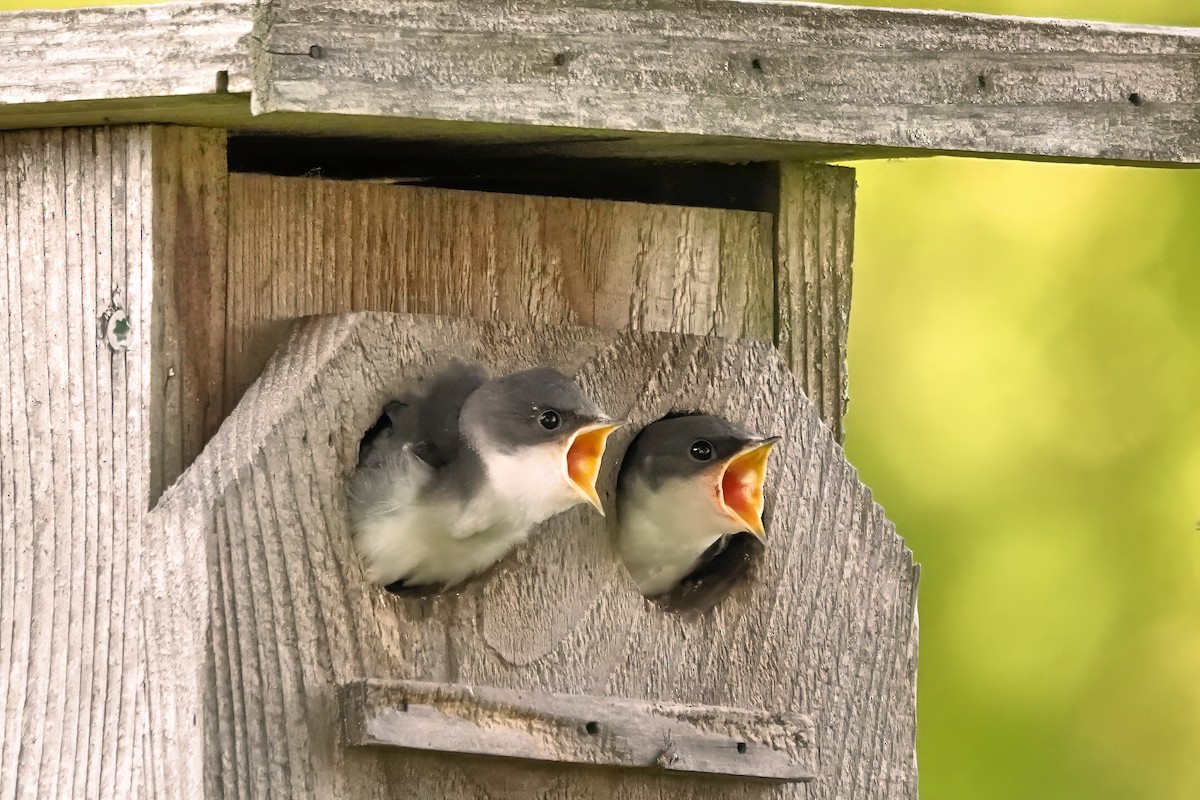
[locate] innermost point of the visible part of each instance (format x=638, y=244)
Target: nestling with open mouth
x=452, y=479
x=689, y=484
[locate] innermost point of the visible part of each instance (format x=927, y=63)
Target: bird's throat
x=740, y=486
x=583, y=457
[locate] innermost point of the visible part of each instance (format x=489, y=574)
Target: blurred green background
x=1025, y=403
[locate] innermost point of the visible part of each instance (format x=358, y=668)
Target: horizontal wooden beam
x=578, y=729
x=714, y=80
x=117, y=54
x=784, y=72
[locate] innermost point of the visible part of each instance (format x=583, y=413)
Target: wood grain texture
x=74, y=460
x=578, y=729
x=119, y=53
x=303, y=246
x=191, y=189
x=713, y=80
x=828, y=629
x=770, y=71
x=814, y=248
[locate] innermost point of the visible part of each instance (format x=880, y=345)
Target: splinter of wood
x=579, y=729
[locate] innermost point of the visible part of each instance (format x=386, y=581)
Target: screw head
x=116, y=328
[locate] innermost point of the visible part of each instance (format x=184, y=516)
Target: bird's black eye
x=701, y=450
x=549, y=419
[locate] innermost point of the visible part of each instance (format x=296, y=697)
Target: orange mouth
x=583, y=457
x=741, y=486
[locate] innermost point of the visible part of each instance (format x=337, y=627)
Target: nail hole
x=756, y=64
x=315, y=51
x=982, y=80
x=404, y=705
x=1135, y=98
x=560, y=59
x=592, y=727
x=741, y=747
x=223, y=82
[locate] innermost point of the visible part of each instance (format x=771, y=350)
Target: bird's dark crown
x=509, y=408
x=662, y=450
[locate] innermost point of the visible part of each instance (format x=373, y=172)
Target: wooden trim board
x=713, y=80
x=579, y=729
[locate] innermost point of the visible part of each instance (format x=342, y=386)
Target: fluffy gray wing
x=414, y=448
x=427, y=419
x=439, y=409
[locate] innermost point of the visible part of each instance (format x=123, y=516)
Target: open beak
x=740, y=485
x=584, y=454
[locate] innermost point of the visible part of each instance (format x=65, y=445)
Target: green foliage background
x=1025, y=402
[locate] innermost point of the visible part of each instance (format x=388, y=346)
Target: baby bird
x=450, y=480
x=687, y=486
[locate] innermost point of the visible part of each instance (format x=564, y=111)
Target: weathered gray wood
x=790, y=72
x=81, y=716
x=303, y=246
x=190, y=191
x=827, y=630
x=578, y=729
x=814, y=248
x=120, y=53
x=694, y=270
x=634, y=78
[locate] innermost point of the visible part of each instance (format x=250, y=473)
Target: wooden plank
x=74, y=460
x=578, y=729
x=827, y=628
x=791, y=72
x=213, y=111
x=711, y=80
x=303, y=246
x=814, y=248
x=190, y=191
x=116, y=53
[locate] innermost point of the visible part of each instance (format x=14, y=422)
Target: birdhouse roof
x=716, y=80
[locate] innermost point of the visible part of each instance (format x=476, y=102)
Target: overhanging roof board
x=698, y=79
x=122, y=54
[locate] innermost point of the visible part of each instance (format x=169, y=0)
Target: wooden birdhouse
x=233, y=230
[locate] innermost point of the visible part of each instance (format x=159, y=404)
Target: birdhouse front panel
x=825, y=628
